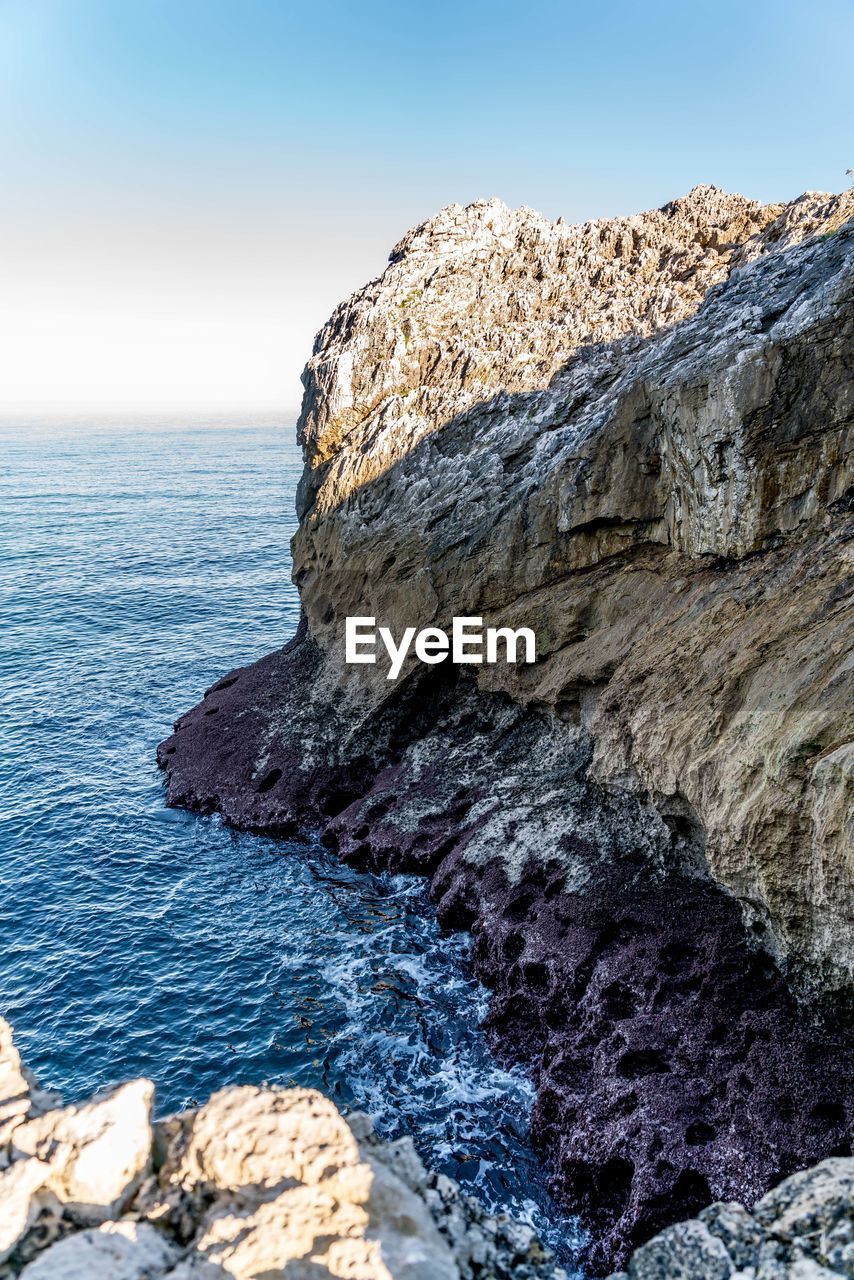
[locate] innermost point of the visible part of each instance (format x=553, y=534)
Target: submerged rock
x=257, y=1184
x=633, y=437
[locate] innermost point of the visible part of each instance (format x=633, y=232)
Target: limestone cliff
x=257, y=1184
x=634, y=437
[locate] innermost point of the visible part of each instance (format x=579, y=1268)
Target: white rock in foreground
x=292, y=1187
x=258, y=1184
x=96, y=1155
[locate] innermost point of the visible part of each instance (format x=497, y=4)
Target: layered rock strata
x=257, y=1184
x=634, y=438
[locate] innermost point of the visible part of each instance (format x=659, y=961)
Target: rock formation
x=633, y=437
x=804, y=1228
x=258, y=1184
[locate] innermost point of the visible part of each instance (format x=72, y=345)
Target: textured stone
x=97, y=1154
x=741, y=1235
x=802, y=1230
x=64, y=1165
x=815, y=1206
x=292, y=1190
x=251, y=1137
x=113, y=1251
x=23, y=1200
x=672, y=1064
x=634, y=437
x=683, y=1252
x=14, y=1087
x=258, y=1184
x=20, y=1096
x=482, y=1245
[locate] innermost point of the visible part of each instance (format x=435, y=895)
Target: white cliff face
x=632, y=436
x=259, y=1183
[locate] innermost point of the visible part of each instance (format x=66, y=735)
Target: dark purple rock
x=673, y=1066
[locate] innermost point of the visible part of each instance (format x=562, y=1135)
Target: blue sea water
x=137, y=564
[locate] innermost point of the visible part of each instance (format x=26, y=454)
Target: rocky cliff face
x=632, y=437
x=599, y=511
x=258, y=1184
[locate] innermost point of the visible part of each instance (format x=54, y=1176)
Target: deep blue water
x=137, y=565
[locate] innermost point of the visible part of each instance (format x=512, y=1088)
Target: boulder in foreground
x=258, y=1184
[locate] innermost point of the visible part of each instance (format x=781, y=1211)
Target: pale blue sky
x=191, y=185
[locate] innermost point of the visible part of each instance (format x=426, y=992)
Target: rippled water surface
x=137, y=565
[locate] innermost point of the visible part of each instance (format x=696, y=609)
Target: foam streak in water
x=136, y=567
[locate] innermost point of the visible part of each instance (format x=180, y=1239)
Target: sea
x=139, y=561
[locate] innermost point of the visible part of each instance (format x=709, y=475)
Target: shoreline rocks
x=634, y=437
x=804, y=1228
x=261, y=1183
x=258, y=1183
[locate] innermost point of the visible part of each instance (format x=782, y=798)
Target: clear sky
x=189, y=186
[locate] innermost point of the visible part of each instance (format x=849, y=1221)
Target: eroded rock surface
x=633, y=437
x=802, y=1230
x=258, y=1184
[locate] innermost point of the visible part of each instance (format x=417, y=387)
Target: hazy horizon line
x=58, y=410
